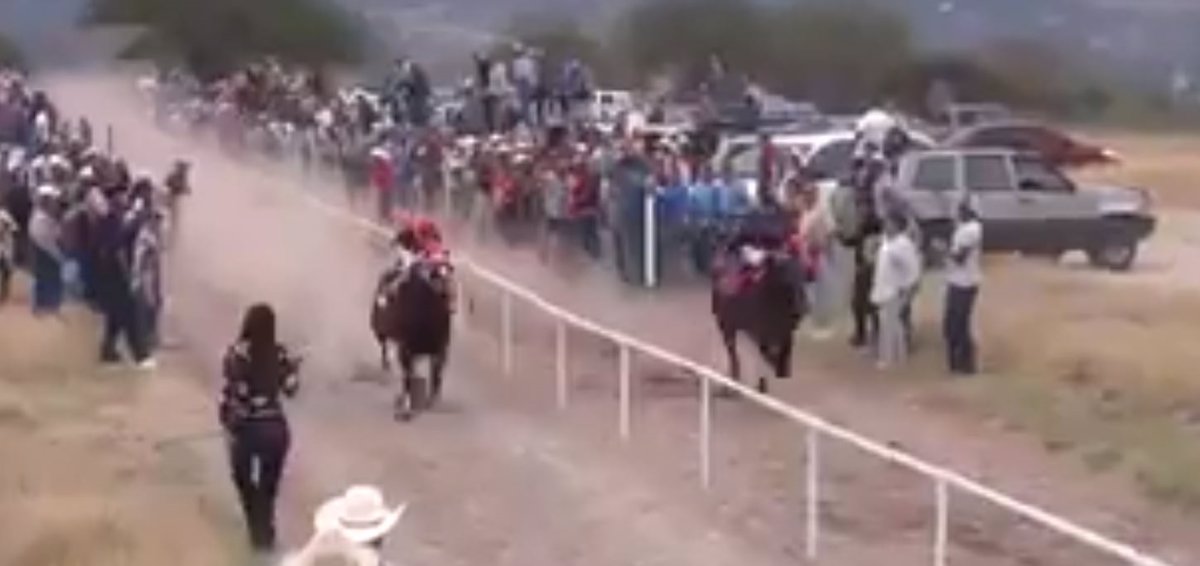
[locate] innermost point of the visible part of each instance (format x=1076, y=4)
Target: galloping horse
x=757, y=291
x=413, y=312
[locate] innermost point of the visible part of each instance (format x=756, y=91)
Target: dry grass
x=1100, y=366
x=82, y=481
x=1106, y=372
x=1164, y=164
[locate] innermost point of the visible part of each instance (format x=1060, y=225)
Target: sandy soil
x=101, y=468
x=499, y=477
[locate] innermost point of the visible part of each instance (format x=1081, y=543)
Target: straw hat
x=359, y=515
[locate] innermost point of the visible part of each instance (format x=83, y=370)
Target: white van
x=609, y=105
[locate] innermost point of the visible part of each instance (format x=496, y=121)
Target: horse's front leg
x=437, y=365
x=384, y=362
x=405, y=404
x=770, y=352
x=729, y=339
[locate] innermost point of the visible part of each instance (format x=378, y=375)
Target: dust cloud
x=245, y=236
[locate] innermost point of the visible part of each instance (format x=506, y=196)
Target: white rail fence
x=944, y=481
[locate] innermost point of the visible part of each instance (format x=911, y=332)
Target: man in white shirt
x=963, y=276
x=897, y=269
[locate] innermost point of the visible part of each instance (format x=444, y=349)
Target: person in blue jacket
x=631, y=179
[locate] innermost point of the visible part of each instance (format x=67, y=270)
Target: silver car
x=1026, y=205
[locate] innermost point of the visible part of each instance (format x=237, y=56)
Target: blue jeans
x=960, y=345
x=6, y=269
x=121, y=321
x=48, y=287
x=147, y=324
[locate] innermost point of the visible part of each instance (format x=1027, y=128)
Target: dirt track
x=499, y=477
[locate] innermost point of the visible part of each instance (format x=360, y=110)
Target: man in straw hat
x=352, y=527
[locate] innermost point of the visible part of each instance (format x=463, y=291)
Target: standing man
x=631, y=182
x=8, y=240
x=45, y=234
x=895, y=270
x=114, y=263
x=768, y=165
x=179, y=185
x=526, y=76
x=963, y=276
x=383, y=180
x=146, y=277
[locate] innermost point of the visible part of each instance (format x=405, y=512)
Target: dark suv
x=1025, y=204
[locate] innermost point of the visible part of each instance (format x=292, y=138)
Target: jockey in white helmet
x=871, y=131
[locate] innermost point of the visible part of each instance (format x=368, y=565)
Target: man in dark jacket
x=114, y=264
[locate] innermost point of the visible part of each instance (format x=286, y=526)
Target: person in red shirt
x=583, y=202
x=768, y=162
x=383, y=176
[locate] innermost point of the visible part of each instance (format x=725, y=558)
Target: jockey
x=417, y=240
x=747, y=252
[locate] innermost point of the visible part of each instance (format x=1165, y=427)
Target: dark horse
x=766, y=302
x=412, y=311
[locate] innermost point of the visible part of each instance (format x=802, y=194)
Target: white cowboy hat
x=48, y=191
x=359, y=515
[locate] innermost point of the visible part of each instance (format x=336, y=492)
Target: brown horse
x=764, y=302
x=413, y=312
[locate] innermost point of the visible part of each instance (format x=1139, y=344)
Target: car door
x=934, y=186
x=989, y=179
x=1065, y=216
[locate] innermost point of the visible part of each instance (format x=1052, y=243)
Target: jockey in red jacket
x=419, y=235
x=418, y=239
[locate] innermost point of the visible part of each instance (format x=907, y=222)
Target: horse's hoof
x=401, y=409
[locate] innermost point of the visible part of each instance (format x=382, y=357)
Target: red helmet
x=426, y=229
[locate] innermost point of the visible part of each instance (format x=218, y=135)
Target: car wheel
x=1115, y=255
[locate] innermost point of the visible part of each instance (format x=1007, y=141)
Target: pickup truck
x=1026, y=205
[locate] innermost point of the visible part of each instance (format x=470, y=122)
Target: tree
x=212, y=37
x=839, y=54
x=10, y=55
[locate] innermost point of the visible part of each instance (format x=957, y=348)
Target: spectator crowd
x=80, y=224
x=526, y=163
